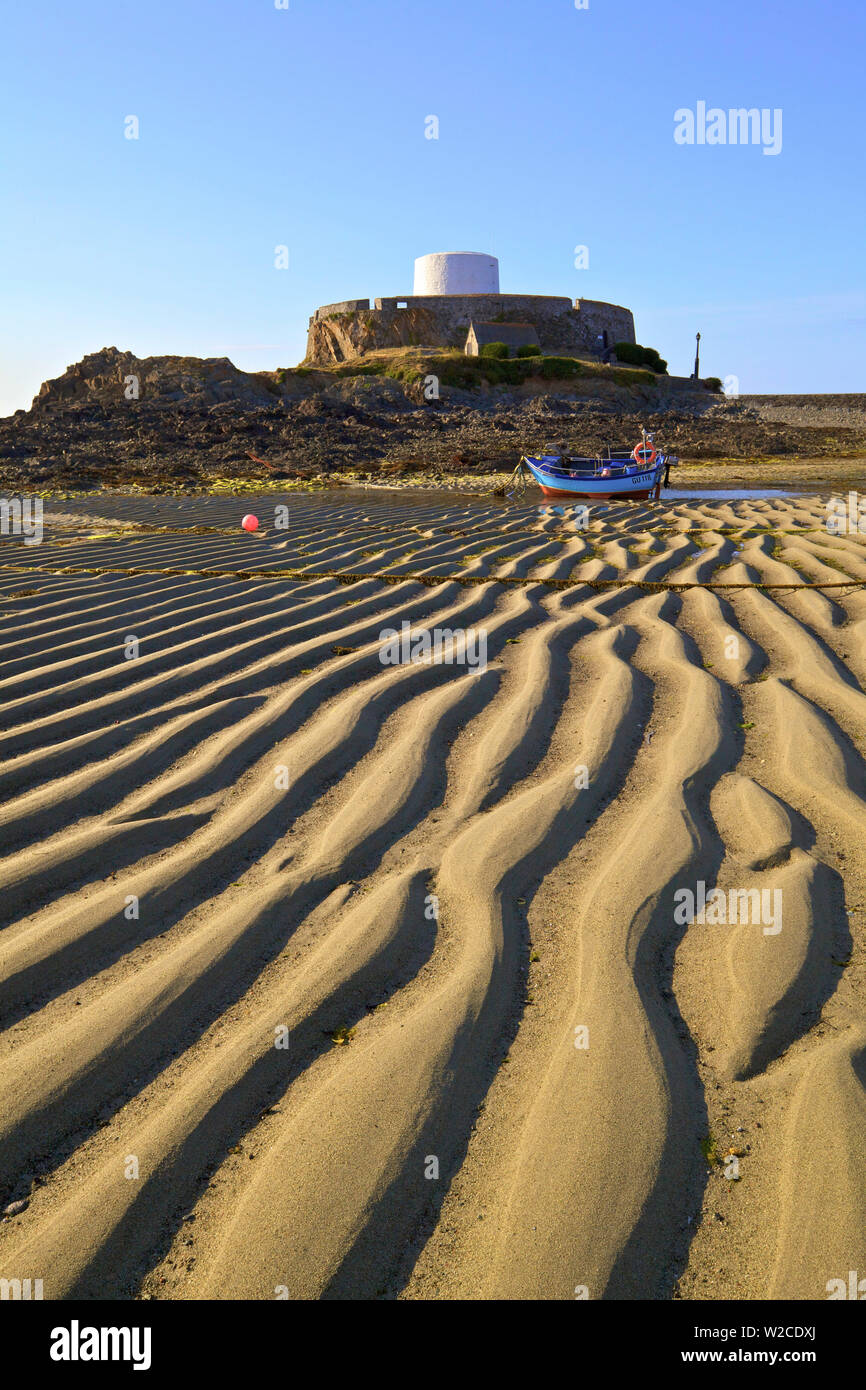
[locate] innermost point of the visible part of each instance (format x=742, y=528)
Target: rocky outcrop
x=341, y=336
x=200, y=420
x=369, y=427
x=110, y=377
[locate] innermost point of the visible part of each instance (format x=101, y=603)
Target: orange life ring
x=638, y=454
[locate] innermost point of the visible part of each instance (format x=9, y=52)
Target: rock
x=106, y=376
x=16, y=1208
x=371, y=393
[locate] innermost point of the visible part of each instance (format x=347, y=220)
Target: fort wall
x=340, y=332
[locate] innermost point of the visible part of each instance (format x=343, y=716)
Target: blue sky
x=305, y=127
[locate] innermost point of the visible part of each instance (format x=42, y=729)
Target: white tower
x=456, y=272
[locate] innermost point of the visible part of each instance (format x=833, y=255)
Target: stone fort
x=457, y=304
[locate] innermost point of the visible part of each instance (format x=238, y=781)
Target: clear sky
x=305, y=127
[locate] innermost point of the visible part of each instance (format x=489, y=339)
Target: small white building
x=513, y=335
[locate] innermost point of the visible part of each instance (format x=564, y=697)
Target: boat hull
x=637, y=495
x=555, y=482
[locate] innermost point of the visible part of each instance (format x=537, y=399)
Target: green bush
x=639, y=356
x=501, y=371
x=713, y=382
x=469, y=372
x=559, y=367
x=529, y=350
x=355, y=368
x=494, y=350
x=408, y=373
x=629, y=352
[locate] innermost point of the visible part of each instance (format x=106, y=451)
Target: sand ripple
x=510, y=1071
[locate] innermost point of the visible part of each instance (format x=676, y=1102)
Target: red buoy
x=250, y=522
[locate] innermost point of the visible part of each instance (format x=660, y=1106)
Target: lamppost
x=697, y=356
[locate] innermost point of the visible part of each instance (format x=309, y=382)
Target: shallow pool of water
x=730, y=494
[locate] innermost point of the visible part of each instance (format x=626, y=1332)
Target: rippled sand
x=510, y=1072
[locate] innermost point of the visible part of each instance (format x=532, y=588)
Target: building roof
x=513, y=334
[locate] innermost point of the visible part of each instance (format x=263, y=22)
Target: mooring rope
x=428, y=580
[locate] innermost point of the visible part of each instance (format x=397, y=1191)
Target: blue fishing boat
x=620, y=475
